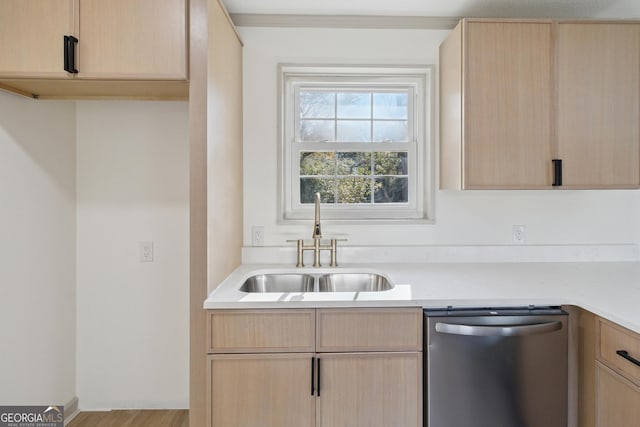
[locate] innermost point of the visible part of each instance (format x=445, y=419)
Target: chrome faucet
x=317, y=239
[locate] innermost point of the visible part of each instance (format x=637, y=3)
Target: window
x=357, y=136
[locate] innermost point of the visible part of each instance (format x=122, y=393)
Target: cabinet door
x=507, y=104
x=32, y=34
x=599, y=104
x=370, y=390
x=261, y=390
x=618, y=400
x=140, y=39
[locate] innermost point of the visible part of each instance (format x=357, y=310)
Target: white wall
x=622, y=9
x=37, y=251
x=474, y=217
x=636, y=216
x=133, y=317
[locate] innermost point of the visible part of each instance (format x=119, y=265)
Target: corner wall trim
x=70, y=410
x=345, y=21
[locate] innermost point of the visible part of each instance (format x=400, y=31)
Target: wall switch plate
x=257, y=235
x=518, y=234
x=146, y=251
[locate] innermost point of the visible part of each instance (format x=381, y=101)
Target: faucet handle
x=334, y=252
x=300, y=250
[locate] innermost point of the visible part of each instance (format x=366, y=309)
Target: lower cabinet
x=260, y=374
x=617, y=399
x=254, y=390
x=617, y=376
x=370, y=390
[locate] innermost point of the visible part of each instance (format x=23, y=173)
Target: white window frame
x=418, y=80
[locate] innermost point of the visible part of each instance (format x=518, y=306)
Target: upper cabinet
x=32, y=34
x=540, y=104
x=133, y=48
x=496, y=103
x=599, y=104
x=132, y=39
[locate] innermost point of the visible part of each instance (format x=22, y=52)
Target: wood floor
x=132, y=418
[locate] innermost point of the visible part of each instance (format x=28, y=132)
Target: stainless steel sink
x=353, y=282
x=278, y=283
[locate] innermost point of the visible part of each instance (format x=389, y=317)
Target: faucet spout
x=317, y=233
x=317, y=245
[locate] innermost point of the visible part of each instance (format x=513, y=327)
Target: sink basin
x=278, y=283
x=353, y=282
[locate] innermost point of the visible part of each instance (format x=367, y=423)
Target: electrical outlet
x=518, y=234
x=257, y=235
x=146, y=251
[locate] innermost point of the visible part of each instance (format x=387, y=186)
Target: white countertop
x=608, y=289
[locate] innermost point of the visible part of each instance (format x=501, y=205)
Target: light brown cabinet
x=515, y=95
x=261, y=371
x=370, y=390
x=599, y=104
x=617, y=376
x=261, y=390
x=31, y=36
x=496, y=105
x=140, y=39
x=262, y=331
x=134, y=48
x=618, y=399
x=582, y=361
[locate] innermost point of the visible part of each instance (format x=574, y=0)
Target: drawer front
x=261, y=331
x=613, y=339
x=369, y=329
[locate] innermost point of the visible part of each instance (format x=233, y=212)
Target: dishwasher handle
x=499, y=330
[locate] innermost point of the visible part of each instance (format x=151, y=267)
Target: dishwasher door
x=496, y=369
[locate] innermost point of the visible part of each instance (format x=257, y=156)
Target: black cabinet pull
x=313, y=382
x=318, y=377
x=621, y=353
x=557, y=172
x=70, y=54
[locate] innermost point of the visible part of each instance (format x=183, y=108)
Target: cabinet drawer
x=261, y=331
x=369, y=329
x=614, y=338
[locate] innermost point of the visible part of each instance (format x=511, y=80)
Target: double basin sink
x=331, y=282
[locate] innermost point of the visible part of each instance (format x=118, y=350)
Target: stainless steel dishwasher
x=496, y=367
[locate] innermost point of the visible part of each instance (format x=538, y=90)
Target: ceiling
x=627, y=9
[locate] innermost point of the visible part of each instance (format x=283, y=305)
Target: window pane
x=317, y=130
x=315, y=104
x=317, y=163
x=354, y=105
x=354, y=190
x=391, y=190
x=354, y=131
x=390, y=106
x=354, y=163
x=310, y=186
x=390, y=163
x=390, y=131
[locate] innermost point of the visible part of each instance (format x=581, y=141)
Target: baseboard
x=71, y=410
